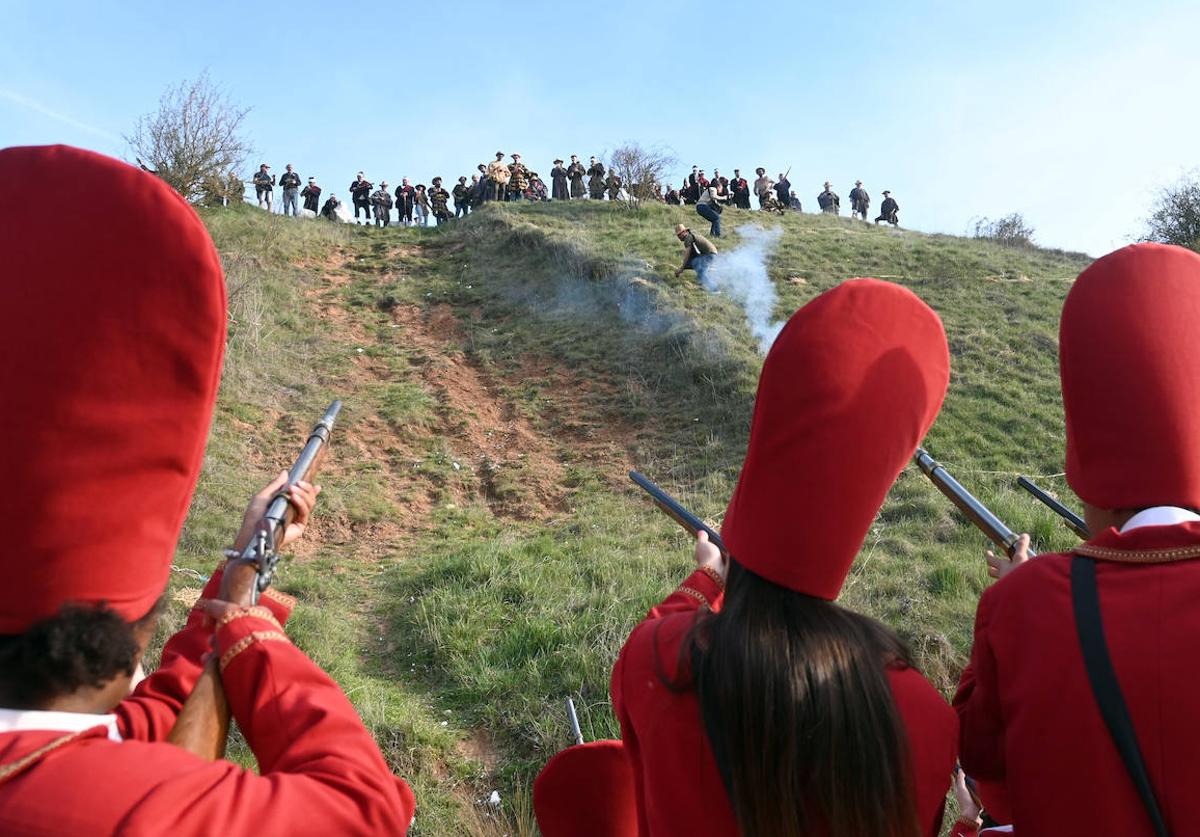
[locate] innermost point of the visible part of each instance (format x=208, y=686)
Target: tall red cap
x=112, y=309
x=587, y=791
x=848, y=390
x=1130, y=369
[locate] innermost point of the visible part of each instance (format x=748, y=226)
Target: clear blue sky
x=1071, y=113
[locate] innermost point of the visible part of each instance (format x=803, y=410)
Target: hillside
x=478, y=554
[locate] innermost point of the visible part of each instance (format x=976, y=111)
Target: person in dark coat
x=404, y=202
x=312, y=195
x=575, y=173
x=783, y=190
x=595, y=175
x=381, y=199
x=828, y=200
x=888, y=210
x=558, y=182
x=860, y=201
x=360, y=195
x=462, y=198
x=329, y=210
x=739, y=190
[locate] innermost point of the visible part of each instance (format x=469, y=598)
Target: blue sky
x=1071, y=113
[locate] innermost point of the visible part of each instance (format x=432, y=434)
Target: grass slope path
x=478, y=555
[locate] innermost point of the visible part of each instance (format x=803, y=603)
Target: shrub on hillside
x=641, y=171
x=1011, y=230
x=193, y=141
x=1175, y=218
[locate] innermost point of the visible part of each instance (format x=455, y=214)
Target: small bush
x=1011, y=230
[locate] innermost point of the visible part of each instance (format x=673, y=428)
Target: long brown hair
x=799, y=713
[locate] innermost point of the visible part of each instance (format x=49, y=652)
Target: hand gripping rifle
x=1073, y=521
x=202, y=726
x=675, y=510
x=976, y=512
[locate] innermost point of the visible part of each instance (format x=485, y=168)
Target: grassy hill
x=479, y=554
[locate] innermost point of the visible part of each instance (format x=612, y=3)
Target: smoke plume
x=741, y=274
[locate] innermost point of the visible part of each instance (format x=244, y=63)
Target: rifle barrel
x=976, y=512
x=1074, y=521
x=675, y=510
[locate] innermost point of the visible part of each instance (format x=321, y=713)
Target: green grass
x=478, y=557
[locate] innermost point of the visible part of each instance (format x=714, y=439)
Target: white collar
x=22, y=720
x=1160, y=516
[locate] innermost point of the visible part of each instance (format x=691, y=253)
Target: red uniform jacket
x=321, y=770
x=679, y=788
x=1029, y=719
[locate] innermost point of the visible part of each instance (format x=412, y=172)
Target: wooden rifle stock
x=675, y=510
x=202, y=726
x=976, y=512
x=1073, y=521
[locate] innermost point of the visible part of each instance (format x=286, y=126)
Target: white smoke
x=344, y=214
x=741, y=274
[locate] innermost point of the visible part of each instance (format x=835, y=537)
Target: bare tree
x=193, y=140
x=1175, y=218
x=1011, y=230
x=641, y=171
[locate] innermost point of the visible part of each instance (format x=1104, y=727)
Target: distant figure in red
x=100, y=463
x=1033, y=730
x=750, y=703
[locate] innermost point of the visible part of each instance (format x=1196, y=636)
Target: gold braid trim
x=257, y=611
x=1140, y=556
x=246, y=641
x=19, y=766
x=695, y=594
x=715, y=576
x=283, y=598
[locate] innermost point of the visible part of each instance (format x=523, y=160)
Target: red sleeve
x=977, y=702
x=629, y=739
x=698, y=589
x=150, y=712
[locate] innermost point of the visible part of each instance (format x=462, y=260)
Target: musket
x=576, y=732
x=202, y=726
x=675, y=510
x=1074, y=521
x=976, y=512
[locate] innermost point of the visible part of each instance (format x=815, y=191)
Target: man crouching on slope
x=113, y=336
x=698, y=252
x=1036, y=718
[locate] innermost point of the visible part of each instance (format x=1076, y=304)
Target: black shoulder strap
x=1086, y=601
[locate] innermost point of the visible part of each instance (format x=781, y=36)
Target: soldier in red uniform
x=113, y=360
x=1031, y=719
x=749, y=702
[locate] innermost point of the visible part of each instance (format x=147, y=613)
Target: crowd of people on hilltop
x=749, y=701
x=515, y=181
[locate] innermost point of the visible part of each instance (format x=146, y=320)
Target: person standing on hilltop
x=381, y=199
x=497, y=179
x=829, y=202
x=360, y=195
x=888, y=209
x=421, y=203
x=763, y=186
x=595, y=175
x=518, y=179
x=558, y=182
x=783, y=191
x=575, y=172
x=404, y=203
x=698, y=252
x=312, y=195
x=739, y=190
x=751, y=702
x=289, y=181
x=860, y=201
x=264, y=186
x=439, y=202
x=462, y=198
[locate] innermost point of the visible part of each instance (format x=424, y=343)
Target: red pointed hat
x=112, y=322
x=1130, y=369
x=848, y=390
x=587, y=791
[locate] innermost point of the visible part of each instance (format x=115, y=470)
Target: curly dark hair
x=80, y=646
